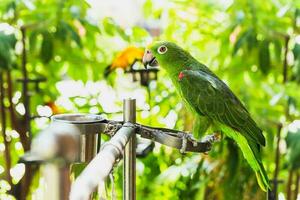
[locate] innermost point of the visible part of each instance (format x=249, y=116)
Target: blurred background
x=66, y=56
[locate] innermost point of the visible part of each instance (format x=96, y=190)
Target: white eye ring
x=162, y=49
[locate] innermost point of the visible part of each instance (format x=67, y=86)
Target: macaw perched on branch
x=125, y=59
x=212, y=100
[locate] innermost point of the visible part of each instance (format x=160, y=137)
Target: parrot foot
x=211, y=138
x=185, y=138
x=184, y=142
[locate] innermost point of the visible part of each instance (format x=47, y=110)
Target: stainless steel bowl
x=90, y=127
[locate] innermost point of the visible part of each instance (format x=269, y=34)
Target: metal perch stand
x=100, y=167
x=87, y=130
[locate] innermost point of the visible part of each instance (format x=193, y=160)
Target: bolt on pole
x=129, y=180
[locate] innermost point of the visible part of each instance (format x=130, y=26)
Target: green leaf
x=75, y=37
x=65, y=31
x=292, y=104
x=7, y=45
x=33, y=40
x=111, y=28
x=61, y=31
x=77, y=168
x=264, y=56
x=246, y=38
x=122, y=33
x=148, y=8
x=46, y=53
x=251, y=39
x=296, y=51
x=5, y=59
x=11, y=6
x=296, y=70
x=297, y=13
x=139, y=34
x=241, y=41
x=292, y=141
x=277, y=49
x=10, y=10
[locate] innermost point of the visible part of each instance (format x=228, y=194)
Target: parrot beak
x=149, y=59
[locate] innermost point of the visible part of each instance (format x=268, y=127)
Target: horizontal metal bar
x=100, y=167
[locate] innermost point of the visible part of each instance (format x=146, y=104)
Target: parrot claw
x=184, y=142
x=185, y=138
x=210, y=138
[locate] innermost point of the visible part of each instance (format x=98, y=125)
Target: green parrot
x=212, y=100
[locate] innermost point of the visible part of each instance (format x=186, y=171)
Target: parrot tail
x=107, y=71
x=261, y=174
x=251, y=152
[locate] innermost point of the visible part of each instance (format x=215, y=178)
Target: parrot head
x=167, y=55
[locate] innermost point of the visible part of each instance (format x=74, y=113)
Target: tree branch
x=289, y=185
x=277, y=162
x=297, y=182
x=285, y=66
x=3, y=128
x=16, y=123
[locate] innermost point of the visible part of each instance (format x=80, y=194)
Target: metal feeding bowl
x=78, y=118
x=90, y=126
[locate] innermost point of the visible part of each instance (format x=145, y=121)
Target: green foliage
x=243, y=42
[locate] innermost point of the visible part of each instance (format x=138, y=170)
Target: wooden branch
x=297, y=182
x=285, y=64
x=23, y=186
x=289, y=185
x=3, y=130
x=25, y=84
x=277, y=162
x=16, y=123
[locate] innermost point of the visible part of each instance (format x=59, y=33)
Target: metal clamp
x=111, y=128
x=177, y=139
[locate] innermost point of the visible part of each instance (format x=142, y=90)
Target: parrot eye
x=162, y=49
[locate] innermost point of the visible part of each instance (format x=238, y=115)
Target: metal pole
x=57, y=181
x=129, y=185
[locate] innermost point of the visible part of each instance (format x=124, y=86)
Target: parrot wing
x=211, y=97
